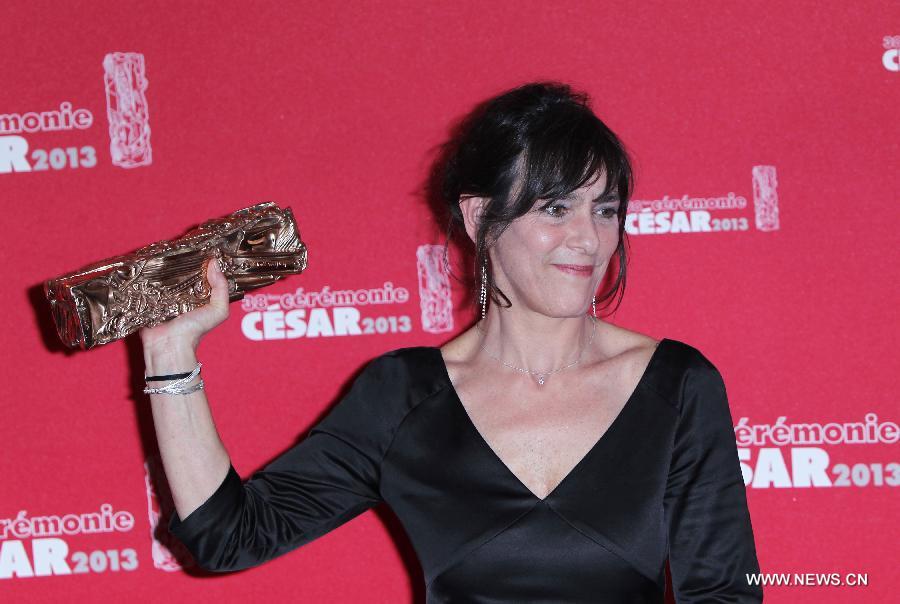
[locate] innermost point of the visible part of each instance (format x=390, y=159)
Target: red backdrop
x=763, y=232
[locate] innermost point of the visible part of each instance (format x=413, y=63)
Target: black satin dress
x=664, y=480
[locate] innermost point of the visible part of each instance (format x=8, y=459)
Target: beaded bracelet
x=179, y=386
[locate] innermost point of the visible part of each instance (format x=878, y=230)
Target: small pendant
x=540, y=380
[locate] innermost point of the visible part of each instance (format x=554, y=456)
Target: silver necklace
x=543, y=375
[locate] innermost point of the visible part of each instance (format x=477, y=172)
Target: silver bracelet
x=188, y=390
x=179, y=386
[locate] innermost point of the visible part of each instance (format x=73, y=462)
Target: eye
x=556, y=210
x=608, y=212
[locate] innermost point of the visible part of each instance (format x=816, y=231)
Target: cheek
x=538, y=238
x=526, y=243
x=545, y=239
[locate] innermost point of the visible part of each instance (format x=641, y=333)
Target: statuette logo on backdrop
x=435, y=301
x=125, y=80
x=162, y=543
x=723, y=213
x=891, y=57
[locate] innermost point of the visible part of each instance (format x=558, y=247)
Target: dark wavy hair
x=540, y=140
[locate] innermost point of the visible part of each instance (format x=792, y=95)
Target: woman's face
x=552, y=259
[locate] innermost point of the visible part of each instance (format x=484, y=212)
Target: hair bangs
x=568, y=155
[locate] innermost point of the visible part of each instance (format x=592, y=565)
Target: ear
x=471, y=208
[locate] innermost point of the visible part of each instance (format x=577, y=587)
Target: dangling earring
x=483, y=298
x=594, y=306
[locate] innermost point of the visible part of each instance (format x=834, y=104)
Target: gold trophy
x=107, y=300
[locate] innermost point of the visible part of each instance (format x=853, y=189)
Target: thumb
x=218, y=284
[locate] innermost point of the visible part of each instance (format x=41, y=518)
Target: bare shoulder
x=630, y=349
x=624, y=339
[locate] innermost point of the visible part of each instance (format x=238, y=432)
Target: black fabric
x=663, y=481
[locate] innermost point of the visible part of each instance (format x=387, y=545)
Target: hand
x=188, y=328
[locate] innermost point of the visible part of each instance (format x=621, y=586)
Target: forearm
x=194, y=458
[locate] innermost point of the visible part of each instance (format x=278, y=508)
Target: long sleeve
x=711, y=546
x=325, y=480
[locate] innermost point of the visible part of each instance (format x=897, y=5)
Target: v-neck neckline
x=581, y=462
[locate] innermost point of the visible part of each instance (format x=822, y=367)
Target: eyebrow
x=603, y=198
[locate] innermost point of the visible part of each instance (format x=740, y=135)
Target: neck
x=532, y=341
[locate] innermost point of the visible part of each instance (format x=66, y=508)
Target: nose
x=582, y=234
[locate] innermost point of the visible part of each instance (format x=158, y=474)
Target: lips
x=580, y=270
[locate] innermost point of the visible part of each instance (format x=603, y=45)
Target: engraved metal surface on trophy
x=109, y=299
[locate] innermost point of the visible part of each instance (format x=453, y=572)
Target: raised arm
x=193, y=456
x=711, y=546
x=327, y=479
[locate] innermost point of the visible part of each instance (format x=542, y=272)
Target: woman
x=544, y=455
